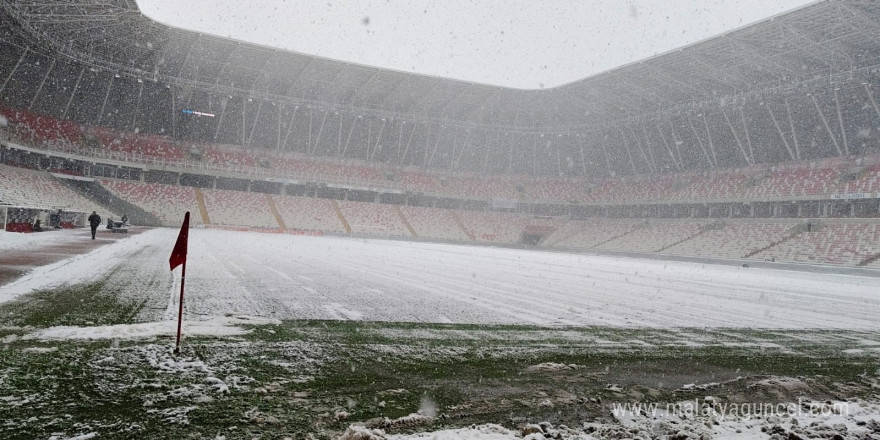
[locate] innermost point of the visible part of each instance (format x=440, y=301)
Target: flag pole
x=180, y=311
x=178, y=257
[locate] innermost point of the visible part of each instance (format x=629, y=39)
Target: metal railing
x=123, y=158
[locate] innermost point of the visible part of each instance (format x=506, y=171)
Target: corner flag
x=178, y=257
x=178, y=254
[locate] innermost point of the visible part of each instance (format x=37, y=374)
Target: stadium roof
x=811, y=43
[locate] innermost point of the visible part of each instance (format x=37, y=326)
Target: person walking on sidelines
x=94, y=222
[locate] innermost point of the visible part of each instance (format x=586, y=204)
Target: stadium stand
x=308, y=213
x=419, y=181
x=799, y=181
x=37, y=189
x=840, y=166
x=867, y=180
x=373, y=219
x=874, y=262
x=589, y=233
x=236, y=208
x=568, y=190
x=710, y=186
x=757, y=182
x=147, y=145
x=328, y=170
x=839, y=242
x=434, y=223
x=655, y=235
x=468, y=186
x=166, y=202
x=226, y=155
x=831, y=168
x=632, y=189
x=43, y=130
x=736, y=239
x=493, y=227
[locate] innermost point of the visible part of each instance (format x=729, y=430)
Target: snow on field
x=293, y=277
x=15, y=240
x=217, y=326
x=482, y=432
x=78, y=269
x=700, y=418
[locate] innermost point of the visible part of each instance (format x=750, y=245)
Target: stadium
x=382, y=254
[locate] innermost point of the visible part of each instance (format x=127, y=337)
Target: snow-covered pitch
x=294, y=277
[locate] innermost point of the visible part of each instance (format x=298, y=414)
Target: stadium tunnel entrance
x=533, y=235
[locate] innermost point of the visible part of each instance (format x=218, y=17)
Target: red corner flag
x=178, y=257
x=178, y=254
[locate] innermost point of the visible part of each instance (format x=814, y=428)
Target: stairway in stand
x=405, y=221
x=341, y=217
x=203, y=210
x=460, y=224
x=275, y=212
x=792, y=233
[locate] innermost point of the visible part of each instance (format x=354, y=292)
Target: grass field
x=296, y=378
x=94, y=358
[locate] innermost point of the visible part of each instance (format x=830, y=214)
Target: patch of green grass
x=297, y=375
x=60, y=389
x=81, y=304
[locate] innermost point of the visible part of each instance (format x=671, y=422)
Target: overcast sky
x=515, y=43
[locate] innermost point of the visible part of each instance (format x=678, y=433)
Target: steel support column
x=583, y=159
x=467, y=140
x=736, y=138
x=668, y=149
x=350, y=131
x=794, y=138
x=867, y=89
x=748, y=135
x=339, y=136
x=700, y=143
x=174, y=117
x=378, y=138
x=243, y=121
x=632, y=163
x=278, y=128
x=408, y=143
x=9, y=77
x=137, y=106
x=223, y=104
x=510, y=153
x=290, y=126
x=321, y=130
x=648, y=146
x=400, y=140
x=676, y=142
x=607, y=159
x=73, y=94
x=827, y=127
x=781, y=134
x=535, y=156
x=250, y=139
x=311, y=118
x=840, y=121
x=711, y=142
x=106, y=97
x=641, y=150
x=558, y=157
x=436, y=144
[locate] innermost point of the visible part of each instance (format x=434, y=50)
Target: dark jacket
x=94, y=220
